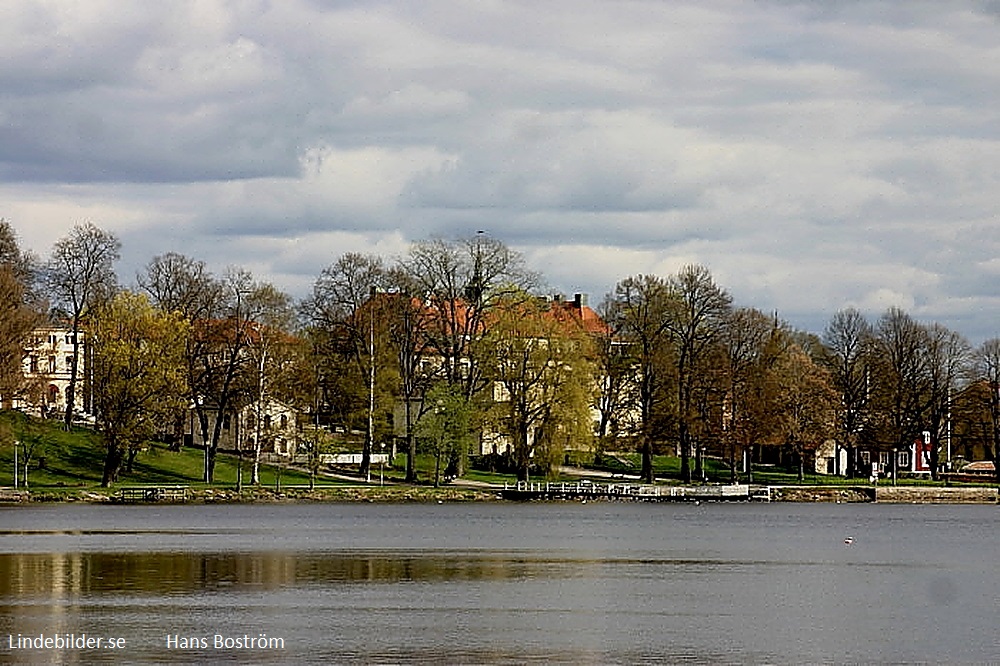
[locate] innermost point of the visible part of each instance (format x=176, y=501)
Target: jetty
x=151, y=494
x=548, y=490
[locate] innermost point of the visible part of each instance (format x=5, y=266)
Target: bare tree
x=407, y=321
x=748, y=341
x=176, y=283
x=80, y=276
x=461, y=283
x=900, y=382
x=946, y=357
x=847, y=338
x=698, y=312
x=616, y=375
x=271, y=350
x=342, y=309
x=639, y=309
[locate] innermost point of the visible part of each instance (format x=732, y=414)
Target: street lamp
x=381, y=469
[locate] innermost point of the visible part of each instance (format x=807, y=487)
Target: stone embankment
x=936, y=495
x=886, y=494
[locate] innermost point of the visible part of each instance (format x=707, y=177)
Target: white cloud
x=812, y=155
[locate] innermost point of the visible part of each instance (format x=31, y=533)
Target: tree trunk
x=112, y=463
x=685, y=438
x=73, y=372
x=647, y=459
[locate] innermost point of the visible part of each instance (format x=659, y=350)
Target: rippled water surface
x=498, y=583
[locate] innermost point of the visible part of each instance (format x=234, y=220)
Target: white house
x=47, y=365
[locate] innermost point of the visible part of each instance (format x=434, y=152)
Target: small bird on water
x=849, y=540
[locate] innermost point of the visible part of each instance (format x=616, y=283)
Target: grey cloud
x=812, y=154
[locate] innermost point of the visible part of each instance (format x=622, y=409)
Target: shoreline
x=481, y=493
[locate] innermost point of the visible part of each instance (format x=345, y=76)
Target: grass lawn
x=75, y=460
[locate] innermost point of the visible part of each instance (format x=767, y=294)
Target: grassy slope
x=74, y=460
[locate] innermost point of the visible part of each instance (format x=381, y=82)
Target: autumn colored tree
x=22, y=314
x=805, y=404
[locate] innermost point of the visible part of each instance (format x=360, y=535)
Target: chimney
x=580, y=300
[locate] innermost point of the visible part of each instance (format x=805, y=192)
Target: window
x=903, y=459
x=284, y=421
x=33, y=364
x=225, y=422
x=52, y=364
x=866, y=458
x=69, y=362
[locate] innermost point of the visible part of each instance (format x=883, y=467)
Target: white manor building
x=47, y=365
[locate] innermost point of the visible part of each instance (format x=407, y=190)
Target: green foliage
x=139, y=373
x=445, y=429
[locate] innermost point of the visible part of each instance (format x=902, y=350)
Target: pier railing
x=149, y=494
x=584, y=489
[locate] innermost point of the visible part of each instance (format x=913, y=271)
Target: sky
x=813, y=155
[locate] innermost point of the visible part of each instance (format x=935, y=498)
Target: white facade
x=47, y=365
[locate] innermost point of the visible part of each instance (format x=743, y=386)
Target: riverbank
x=486, y=493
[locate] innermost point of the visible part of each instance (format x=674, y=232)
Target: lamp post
x=381, y=469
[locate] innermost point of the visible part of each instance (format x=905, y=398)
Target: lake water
x=501, y=583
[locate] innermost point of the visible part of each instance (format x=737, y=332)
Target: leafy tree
x=80, y=276
x=542, y=368
x=446, y=426
x=138, y=367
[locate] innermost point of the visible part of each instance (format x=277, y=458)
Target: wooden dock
x=545, y=490
x=151, y=494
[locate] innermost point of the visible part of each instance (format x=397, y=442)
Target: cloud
x=812, y=155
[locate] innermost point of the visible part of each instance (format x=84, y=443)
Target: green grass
x=75, y=460
x=66, y=462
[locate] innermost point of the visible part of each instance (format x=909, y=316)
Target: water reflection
x=64, y=575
